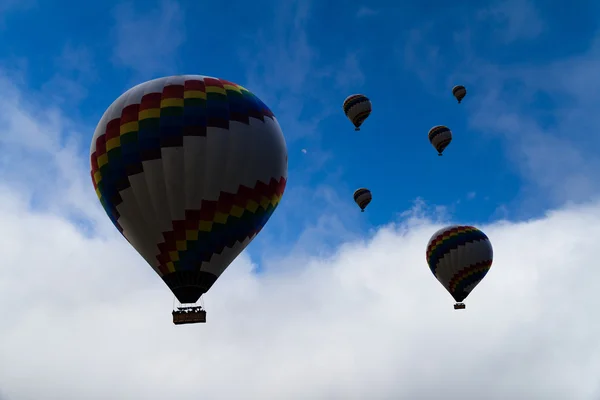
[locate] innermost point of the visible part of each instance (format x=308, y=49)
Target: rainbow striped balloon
x=459, y=257
x=189, y=169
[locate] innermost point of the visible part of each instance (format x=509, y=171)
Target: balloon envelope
x=362, y=197
x=459, y=92
x=189, y=169
x=440, y=137
x=357, y=108
x=459, y=257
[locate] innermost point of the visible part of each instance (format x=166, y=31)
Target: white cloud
x=47, y=160
x=85, y=318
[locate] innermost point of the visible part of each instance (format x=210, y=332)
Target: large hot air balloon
x=459, y=257
x=459, y=91
x=362, y=197
x=189, y=169
x=440, y=137
x=357, y=108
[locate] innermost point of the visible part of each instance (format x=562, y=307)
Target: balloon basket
x=460, y=306
x=189, y=314
x=439, y=154
x=357, y=129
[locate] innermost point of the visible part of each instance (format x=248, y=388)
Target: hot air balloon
x=459, y=91
x=362, y=197
x=440, y=137
x=357, y=108
x=459, y=257
x=189, y=169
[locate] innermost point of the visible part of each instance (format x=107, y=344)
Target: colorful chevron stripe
x=463, y=274
x=217, y=225
x=162, y=120
x=451, y=240
x=468, y=276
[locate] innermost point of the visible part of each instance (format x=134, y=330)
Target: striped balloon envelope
x=362, y=198
x=357, y=108
x=440, y=137
x=459, y=257
x=459, y=92
x=189, y=169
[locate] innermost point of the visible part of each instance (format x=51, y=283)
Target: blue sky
x=508, y=159
x=523, y=166
x=303, y=59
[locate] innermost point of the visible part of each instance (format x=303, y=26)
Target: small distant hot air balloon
x=459, y=91
x=189, y=169
x=357, y=108
x=440, y=137
x=362, y=197
x=459, y=257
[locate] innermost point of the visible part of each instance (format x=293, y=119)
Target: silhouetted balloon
x=459, y=92
x=362, y=197
x=440, y=137
x=459, y=257
x=357, y=108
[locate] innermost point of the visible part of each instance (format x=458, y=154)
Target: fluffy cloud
x=83, y=317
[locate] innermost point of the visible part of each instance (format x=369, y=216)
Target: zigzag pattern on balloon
x=467, y=277
x=217, y=225
x=449, y=241
x=161, y=120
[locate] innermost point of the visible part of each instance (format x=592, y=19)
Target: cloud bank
x=83, y=317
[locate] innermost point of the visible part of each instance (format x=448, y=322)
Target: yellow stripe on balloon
x=149, y=113
x=132, y=126
x=102, y=160
x=216, y=89
x=113, y=143
x=252, y=206
x=194, y=94
x=164, y=103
